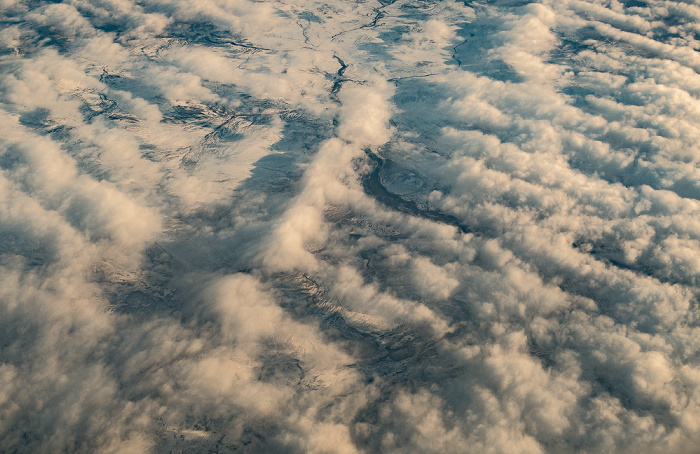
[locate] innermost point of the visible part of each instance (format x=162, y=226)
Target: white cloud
x=364, y=114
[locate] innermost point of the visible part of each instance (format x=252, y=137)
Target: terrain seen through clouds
x=346, y=226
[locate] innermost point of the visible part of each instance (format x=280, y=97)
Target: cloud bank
x=396, y=226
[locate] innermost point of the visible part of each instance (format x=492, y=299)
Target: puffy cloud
x=364, y=115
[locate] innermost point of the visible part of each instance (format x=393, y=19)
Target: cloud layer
x=349, y=227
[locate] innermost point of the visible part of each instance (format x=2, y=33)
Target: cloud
x=330, y=227
x=364, y=115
